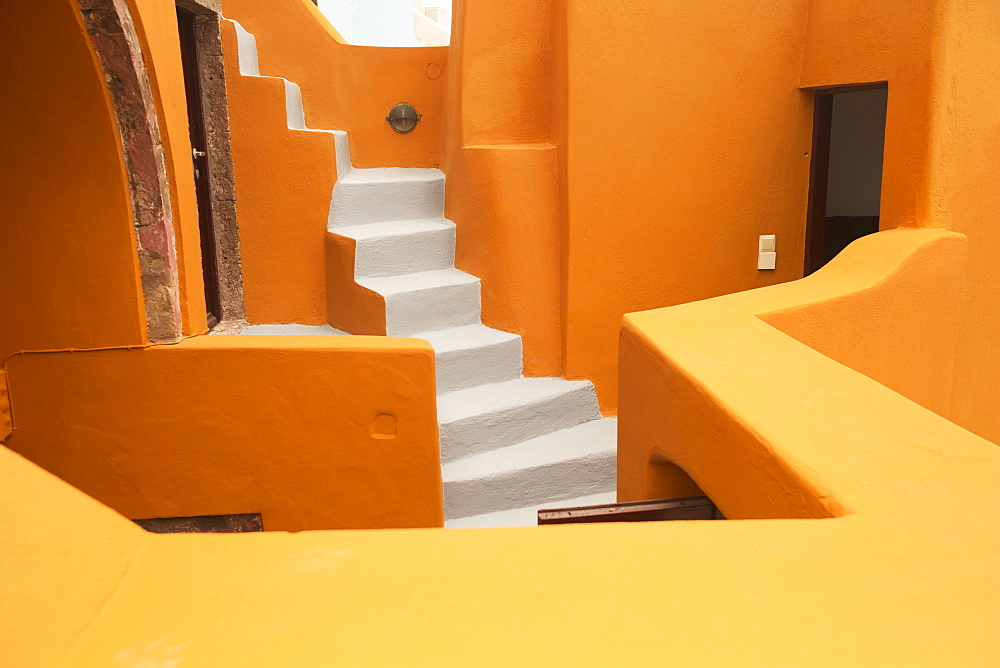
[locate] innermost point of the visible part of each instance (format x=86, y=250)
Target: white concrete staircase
x=508, y=443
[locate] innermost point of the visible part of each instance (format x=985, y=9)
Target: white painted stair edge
x=554, y=467
x=508, y=443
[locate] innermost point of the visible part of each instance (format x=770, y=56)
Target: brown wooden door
x=199, y=145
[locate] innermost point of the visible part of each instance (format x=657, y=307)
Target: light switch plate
x=767, y=242
x=767, y=260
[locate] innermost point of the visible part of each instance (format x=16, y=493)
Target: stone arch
x=112, y=34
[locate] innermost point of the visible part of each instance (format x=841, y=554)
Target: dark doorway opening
x=845, y=185
x=202, y=179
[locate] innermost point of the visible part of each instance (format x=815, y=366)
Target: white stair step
x=492, y=416
x=564, y=464
x=401, y=247
x=427, y=301
x=525, y=516
x=384, y=194
x=246, y=46
x=474, y=355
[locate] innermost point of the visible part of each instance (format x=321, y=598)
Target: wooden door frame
x=224, y=247
x=819, y=167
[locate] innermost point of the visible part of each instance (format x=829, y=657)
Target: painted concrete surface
x=510, y=441
x=545, y=469
x=487, y=417
x=474, y=355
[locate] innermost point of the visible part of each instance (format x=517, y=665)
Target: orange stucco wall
x=68, y=264
x=640, y=176
x=899, y=572
x=688, y=138
x=889, y=307
x=503, y=161
x=857, y=42
x=352, y=88
x=647, y=167
x=284, y=178
x=156, y=25
x=877, y=331
x=964, y=194
x=311, y=432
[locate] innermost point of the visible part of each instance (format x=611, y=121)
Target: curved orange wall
x=965, y=197
x=503, y=164
x=68, y=264
x=312, y=432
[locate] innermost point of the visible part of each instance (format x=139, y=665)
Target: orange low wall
x=311, y=432
x=889, y=307
x=902, y=571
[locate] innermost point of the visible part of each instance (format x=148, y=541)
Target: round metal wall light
x=403, y=118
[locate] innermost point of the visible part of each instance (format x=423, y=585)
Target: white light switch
x=766, y=255
x=766, y=259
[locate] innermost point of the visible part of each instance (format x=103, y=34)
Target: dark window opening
x=845, y=187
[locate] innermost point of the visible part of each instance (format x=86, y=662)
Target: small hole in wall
x=384, y=426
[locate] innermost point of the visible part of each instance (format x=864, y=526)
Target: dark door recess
x=845, y=183
x=199, y=145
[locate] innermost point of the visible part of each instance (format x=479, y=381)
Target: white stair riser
x=405, y=254
x=362, y=202
x=489, y=431
x=441, y=307
x=294, y=111
x=528, y=487
x=343, y=146
x=494, y=363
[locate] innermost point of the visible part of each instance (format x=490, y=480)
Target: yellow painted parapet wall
x=737, y=388
x=312, y=432
x=901, y=572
